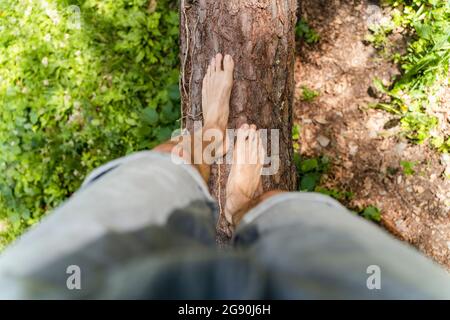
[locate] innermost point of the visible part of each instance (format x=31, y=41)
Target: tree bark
x=259, y=35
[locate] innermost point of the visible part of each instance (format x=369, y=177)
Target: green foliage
x=310, y=171
x=7, y=232
x=73, y=97
x=425, y=66
x=418, y=125
x=309, y=95
x=371, y=213
x=305, y=32
x=378, y=39
x=336, y=194
x=408, y=167
x=296, y=137
x=379, y=35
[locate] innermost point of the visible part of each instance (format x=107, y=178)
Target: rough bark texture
x=259, y=35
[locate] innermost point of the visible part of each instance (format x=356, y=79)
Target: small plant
x=8, y=232
x=310, y=171
x=379, y=37
x=305, y=32
x=371, y=213
x=408, y=167
x=296, y=137
x=309, y=95
x=336, y=194
x=74, y=97
x=425, y=66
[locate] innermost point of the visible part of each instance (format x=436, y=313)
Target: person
x=143, y=227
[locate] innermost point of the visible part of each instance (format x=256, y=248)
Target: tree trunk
x=259, y=35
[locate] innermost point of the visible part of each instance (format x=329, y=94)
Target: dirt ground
x=364, y=144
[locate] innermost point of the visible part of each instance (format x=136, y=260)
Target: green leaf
x=140, y=56
x=174, y=93
x=423, y=30
x=131, y=122
x=309, y=182
x=150, y=116
x=296, y=132
x=309, y=95
x=408, y=167
x=372, y=213
x=309, y=165
x=380, y=86
x=164, y=134
x=34, y=117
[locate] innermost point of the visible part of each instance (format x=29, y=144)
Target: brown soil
x=366, y=145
